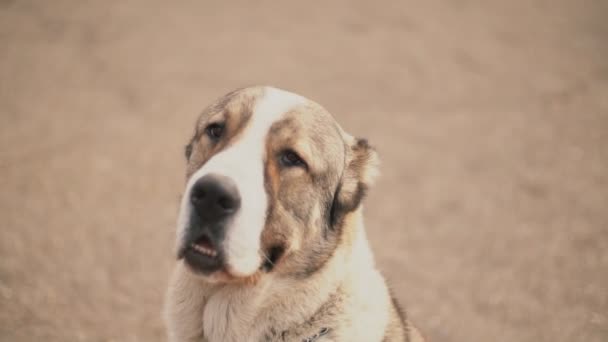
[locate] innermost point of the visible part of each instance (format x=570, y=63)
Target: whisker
x=265, y=256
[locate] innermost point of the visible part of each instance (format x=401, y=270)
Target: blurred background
x=490, y=220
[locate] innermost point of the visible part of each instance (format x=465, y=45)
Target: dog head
x=270, y=179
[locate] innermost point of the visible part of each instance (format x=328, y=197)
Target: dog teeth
x=203, y=250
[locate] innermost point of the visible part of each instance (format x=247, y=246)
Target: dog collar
x=316, y=336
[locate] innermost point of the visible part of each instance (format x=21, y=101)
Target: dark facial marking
x=273, y=255
x=340, y=208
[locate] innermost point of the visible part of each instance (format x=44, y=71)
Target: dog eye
x=291, y=159
x=215, y=131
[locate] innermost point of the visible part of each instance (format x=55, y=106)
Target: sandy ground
x=490, y=220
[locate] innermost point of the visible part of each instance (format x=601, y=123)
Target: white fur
x=243, y=162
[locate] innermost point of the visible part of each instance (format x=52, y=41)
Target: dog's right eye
x=214, y=131
x=289, y=158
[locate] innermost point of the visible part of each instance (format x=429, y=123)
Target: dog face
x=271, y=177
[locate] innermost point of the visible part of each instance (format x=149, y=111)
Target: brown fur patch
x=298, y=196
x=307, y=205
x=234, y=111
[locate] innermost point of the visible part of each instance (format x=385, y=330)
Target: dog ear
x=359, y=174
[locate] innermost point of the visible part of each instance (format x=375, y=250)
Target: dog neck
x=285, y=309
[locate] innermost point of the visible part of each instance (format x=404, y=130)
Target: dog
x=270, y=238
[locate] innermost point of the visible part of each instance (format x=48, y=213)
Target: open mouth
x=204, y=246
x=202, y=255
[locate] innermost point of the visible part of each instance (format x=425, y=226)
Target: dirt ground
x=490, y=220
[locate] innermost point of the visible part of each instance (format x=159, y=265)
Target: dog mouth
x=204, y=246
x=202, y=255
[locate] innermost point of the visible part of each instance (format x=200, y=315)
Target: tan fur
x=235, y=109
x=318, y=282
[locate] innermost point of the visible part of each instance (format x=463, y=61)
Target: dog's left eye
x=290, y=159
x=215, y=131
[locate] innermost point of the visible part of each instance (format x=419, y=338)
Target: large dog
x=270, y=237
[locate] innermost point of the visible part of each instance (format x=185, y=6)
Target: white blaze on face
x=243, y=162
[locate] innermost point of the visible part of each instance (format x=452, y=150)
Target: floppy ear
x=359, y=174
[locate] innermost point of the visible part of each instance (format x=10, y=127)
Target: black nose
x=215, y=197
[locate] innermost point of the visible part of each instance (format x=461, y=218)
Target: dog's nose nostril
x=214, y=197
x=197, y=195
x=227, y=203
